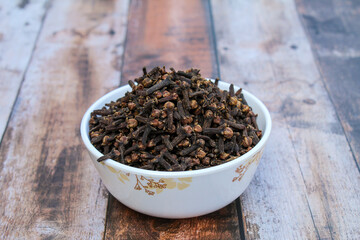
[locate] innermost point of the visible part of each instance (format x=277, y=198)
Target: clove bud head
x=132, y=123
x=169, y=105
x=228, y=133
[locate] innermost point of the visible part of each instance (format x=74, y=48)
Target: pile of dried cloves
x=174, y=121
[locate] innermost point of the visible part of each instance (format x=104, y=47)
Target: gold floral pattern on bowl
x=119, y=174
x=241, y=170
x=149, y=185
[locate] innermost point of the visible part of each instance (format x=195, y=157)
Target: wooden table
x=300, y=57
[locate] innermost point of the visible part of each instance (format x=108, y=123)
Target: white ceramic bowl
x=178, y=194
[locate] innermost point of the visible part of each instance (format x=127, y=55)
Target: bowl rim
x=178, y=174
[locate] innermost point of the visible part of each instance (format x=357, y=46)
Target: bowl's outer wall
x=182, y=197
x=188, y=197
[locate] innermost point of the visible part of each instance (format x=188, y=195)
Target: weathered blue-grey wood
x=20, y=24
x=333, y=29
x=308, y=184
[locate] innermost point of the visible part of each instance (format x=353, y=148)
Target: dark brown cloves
x=174, y=121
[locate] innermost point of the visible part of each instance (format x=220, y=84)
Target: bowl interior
x=263, y=120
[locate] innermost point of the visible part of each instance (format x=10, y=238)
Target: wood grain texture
x=334, y=31
x=307, y=185
x=124, y=223
x=49, y=189
x=19, y=28
x=170, y=33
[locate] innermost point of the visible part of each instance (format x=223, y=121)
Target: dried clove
x=167, y=142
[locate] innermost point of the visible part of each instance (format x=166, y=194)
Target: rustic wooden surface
x=271, y=56
x=48, y=189
x=169, y=33
x=300, y=57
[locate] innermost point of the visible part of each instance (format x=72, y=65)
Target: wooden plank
x=307, y=185
x=334, y=31
x=170, y=33
x=49, y=189
x=19, y=28
x=124, y=223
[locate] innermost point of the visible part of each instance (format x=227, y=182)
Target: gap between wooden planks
x=49, y=188
x=307, y=185
x=172, y=34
